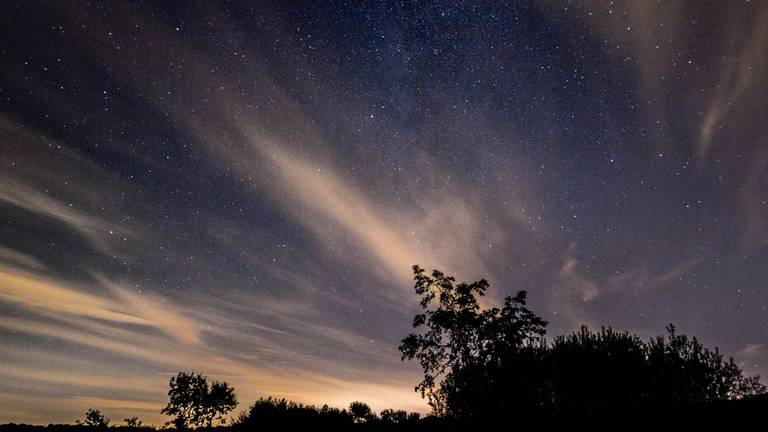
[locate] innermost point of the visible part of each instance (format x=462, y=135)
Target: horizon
x=241, y=189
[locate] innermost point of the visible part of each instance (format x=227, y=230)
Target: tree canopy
x=361, y=412
x=482, y=362
x=133, y=422
x=461, y=338
x=196, y=402
x=94, y=418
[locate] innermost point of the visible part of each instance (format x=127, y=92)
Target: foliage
x=196, y=402
x=683, y=369
x=481, y=363
x=133, y=422
x=592, y=372
x=270, y=413
x=398, y=416
x=460, y=338
x=94, y=418
x=361, y=412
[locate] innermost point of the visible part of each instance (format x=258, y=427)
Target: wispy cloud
x=736, y=78
x=29, y=182
x=157, y=312
x=36, y=294
x=455, y=229
x=15, y=258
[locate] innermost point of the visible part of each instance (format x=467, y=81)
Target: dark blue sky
x=241, y=188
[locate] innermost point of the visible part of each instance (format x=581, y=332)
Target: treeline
x=493, y=366
x=265, y=414
x=743, y=414
x=493, y=363
x=270, y=414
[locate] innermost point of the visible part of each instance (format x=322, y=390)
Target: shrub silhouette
x=589, y=372
x=683, y=369
x=196, y=402
x=94, y=418
x=495, y=362
x=594, y=372
x=270, y=413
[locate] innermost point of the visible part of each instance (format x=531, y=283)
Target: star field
x=241, y=188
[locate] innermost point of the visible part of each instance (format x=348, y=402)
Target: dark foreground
x=752, y=412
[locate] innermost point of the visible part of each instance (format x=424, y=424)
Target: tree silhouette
x=195, y=402
x=268, y=413
x=591, y=373
x=683, y=369
x=94, y=418
x=461, y=339
x=361, y=412
x=399, y=417
x=272, y=413
x=393, y=416
x=490, y=363
x=133, y=422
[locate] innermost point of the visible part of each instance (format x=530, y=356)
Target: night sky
x=242, y=189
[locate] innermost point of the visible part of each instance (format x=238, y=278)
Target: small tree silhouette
x=361, y=412
x=94, y=418
x=195, y=402
x=133, y=422
x=398, y=416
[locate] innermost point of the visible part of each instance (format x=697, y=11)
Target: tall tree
x=460, y=338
